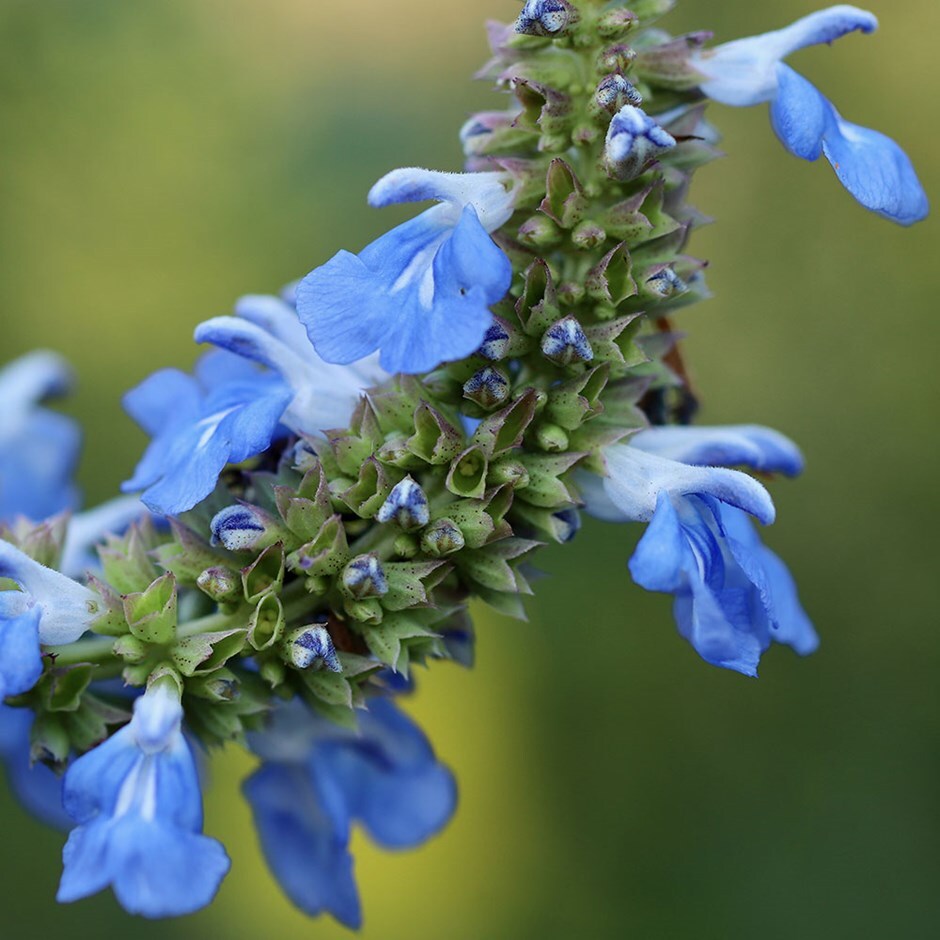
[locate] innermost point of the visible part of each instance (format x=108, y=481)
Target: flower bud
x=615, y=59
x=634, y=140
x=363, y=577
x=564, y=342
x=615, y=91
x=664, y=284
x=551, y=18
x=243, y=529
x=615, y=24
x=588, y=235
x=551, y=437
x=441, y=538
x=488, y=387
x=539, y=232
x=406, y=506
x=219, y=583
x=311, y=647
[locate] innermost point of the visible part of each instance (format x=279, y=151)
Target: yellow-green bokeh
x=160, y=158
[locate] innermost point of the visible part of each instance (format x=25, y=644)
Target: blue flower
x=65, y=608
x=225, y=414
x=733, y=596
x=266, y=330
x=37, y=787
x=421, y=293
x=872, y=167
x=138, y=808
x=317, y=779
x=38, y=448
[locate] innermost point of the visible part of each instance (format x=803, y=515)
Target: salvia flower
x=229, y=411
x=421, y=293
x=38, y=448
x=20, y=659
x=318, y=779
x=266, y=330
x=138, y=809
x=66, y=608
x=733, y=596
x=872, y=167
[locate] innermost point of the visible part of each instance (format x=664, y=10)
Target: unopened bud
x=219, y=583
x=488, y=387
x=588, y=235
x=130, y=649
x=441, y=538
x=615, y=24
x=664, y=284
x=242, y=529
x=634, y=140
x=552, y=18
x=564, y=342
x=551, y=437
x=406, y=545
x=565, y=524
x=406, y=506
x=615, y=91
x=539, y=232
x=615, y=59
x=311, y=647
x=363, y=577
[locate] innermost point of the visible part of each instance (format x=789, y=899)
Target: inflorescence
x=397, y=434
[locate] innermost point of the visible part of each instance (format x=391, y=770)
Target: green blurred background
x=158, y=159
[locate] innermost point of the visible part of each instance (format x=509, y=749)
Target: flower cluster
x=394, y=435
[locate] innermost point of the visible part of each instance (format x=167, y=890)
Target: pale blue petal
x=744, y=72
x=637, y=478
x=662, y=554
x=746, y=445
x=876, y=171
x=799, y=114
x=485, y=192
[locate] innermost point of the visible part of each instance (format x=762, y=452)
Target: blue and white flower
x=421, y=293
x=317, y=779
x=66, y=609
x=229, y=411
x=38, y=448
x=872, y=167
x=733, y=596
x=20, y=658
x=138, y=809
x=266, y=330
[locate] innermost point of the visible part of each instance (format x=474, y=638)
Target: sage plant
x=390, y=438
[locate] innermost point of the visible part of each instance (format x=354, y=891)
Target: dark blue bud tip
x=567, y=523
x=495, y=343
x=545, y=18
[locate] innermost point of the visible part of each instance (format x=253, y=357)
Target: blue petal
x=155, y=870
x=661, y=556
x=20, y=658
x=799, y=114
x=306, y=852
x=390, y=779
x=37, y=787
x=746, y=445
x=876, y=171
x=419, y=294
